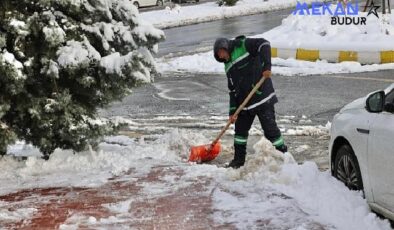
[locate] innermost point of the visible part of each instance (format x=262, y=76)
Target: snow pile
x=266, y=159
x=93, y=168
x=308, y=131
x=292, y=67
x=271, y=191
x=196, y=63
x=206, y=63
x=276, y=193
x=316, y=32
x=176, y=9
x=309, y=32
x=211, y=11
x=322, y=196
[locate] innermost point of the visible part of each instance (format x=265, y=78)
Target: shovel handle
x=240, y=108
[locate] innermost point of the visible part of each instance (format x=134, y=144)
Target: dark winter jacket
x=249, y=58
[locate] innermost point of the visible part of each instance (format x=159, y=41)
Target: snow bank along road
x=311, y=38
x=363, y=57
x=180, y=16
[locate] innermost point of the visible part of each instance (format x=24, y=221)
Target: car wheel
x=136, y=4
x=159, y=3
x=346, y=168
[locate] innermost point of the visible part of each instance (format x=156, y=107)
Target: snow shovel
x=205, y=153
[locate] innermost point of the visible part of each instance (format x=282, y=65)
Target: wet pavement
x=318, y=97
x=201, y=36
x=118, y=204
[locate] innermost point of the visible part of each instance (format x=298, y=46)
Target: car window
x=390, y=97
x=389, y=102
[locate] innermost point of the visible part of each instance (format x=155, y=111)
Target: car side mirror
x=375, y=102
x=389, y=107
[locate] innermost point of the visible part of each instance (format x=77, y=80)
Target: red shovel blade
x=204, y=153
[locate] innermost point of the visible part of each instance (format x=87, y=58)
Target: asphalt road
x=199, y=36
x=319, y=97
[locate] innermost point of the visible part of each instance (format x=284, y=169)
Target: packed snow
x=316, y=32
x=309, y=32
x=179, y=16
x=271, y=187
x=308, y=130
x=206, y=63
x=277, y=192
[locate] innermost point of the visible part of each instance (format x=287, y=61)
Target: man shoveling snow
x=246, y=61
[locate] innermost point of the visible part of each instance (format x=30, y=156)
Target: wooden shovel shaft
x=240, y=108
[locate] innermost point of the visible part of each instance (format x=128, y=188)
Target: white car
x=144, y=3
x=362, y=149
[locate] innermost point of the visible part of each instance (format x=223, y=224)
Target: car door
x=150, y=2
x=381, y=157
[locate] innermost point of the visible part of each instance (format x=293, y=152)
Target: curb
x=363, y=57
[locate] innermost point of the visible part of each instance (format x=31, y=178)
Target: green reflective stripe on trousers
x=279, y=142
x=233, y=108
x=241, y=137
x=240, y=140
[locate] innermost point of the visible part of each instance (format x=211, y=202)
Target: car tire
x=347, y=169
x=159, y=3
x=136, y=4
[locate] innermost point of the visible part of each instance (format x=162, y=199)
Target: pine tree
x=62, y=60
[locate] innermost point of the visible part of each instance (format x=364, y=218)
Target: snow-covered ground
x=206, y=63
x=309, y=32
x=179, y=16
x=316, y=32
x=271, y=190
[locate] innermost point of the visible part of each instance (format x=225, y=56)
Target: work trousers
x=243, y=124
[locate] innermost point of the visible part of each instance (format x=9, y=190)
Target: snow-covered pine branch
x=61, y=60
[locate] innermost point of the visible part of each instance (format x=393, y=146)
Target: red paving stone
x=185, y=208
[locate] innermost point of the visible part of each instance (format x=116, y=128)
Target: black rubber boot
x=239, y=157
x=235, y=165
x=45, y=157
x=282, y=148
